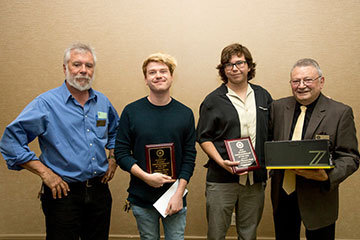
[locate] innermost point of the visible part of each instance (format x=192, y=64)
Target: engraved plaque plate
x=160, y=158
x=241, y=150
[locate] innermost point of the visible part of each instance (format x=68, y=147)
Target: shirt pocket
x=101, y=131
x=264, y=112
x=101, y=125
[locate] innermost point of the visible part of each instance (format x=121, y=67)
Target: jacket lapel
x=316, y=117
x=288, y=117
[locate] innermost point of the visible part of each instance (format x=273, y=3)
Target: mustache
x=79, y=76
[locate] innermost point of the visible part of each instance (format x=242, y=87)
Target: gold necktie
x=289, y=181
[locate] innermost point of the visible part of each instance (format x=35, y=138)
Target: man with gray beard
x=74, y=124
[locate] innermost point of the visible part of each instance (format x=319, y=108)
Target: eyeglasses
x=238, y=64
x=306, y=81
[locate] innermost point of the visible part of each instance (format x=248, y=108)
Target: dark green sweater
x=142, y=123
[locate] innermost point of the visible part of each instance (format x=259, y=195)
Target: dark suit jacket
x=318, y=201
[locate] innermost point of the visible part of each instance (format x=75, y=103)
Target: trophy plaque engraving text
x=241, y=150
x=160, y=158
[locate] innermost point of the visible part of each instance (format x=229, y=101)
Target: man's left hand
x=233, y=164
x=175, y=205
x=314, y=174
x=110, y=171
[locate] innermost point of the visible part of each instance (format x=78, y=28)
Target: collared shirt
x=219, y=121
x=246, y=111
x=247, y=115
x=72, y=138
x=309, y=110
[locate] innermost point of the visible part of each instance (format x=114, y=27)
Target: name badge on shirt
x=101, y=119
x=320, y=136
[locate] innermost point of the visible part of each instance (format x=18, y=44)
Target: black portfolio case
x=306, y=154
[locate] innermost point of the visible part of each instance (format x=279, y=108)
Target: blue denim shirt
x=72, y=138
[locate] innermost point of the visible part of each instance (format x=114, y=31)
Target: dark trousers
x=287, y=221
x=84, y=213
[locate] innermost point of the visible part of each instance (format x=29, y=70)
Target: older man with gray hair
x=74, y=124
x=311, y=196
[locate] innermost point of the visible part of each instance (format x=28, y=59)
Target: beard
x=74, y=81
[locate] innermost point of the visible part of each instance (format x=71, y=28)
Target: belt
x=88, y=183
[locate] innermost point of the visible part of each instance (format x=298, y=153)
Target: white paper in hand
x=162, y=203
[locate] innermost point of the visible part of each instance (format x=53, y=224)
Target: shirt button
x=95, y=172
x=93, y=159
x=90, y=144
x=86, y=116
x=88, y=130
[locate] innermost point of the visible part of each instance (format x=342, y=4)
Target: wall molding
x=117, y=237
x=111, y=237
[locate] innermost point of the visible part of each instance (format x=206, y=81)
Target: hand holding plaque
x=241, y=150
x=160, y=158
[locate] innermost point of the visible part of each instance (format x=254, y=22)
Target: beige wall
x=33, y=35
